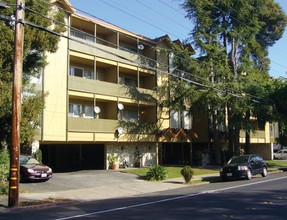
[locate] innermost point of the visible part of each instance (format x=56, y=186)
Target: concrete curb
x=124, y=190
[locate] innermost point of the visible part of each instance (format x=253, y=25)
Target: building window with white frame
x=180, y=119
x=81, y=72
x=81, y=110
x=82, y=35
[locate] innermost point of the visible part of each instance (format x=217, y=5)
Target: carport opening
x=73, y=157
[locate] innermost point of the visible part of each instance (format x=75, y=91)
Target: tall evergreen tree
x=233, y=36
x=36, y=43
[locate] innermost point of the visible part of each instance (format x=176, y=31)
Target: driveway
x=89, y=185
x=79, y=180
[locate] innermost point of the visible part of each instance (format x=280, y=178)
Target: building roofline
x=66, y=4
x=177, y=42
x=112, y=27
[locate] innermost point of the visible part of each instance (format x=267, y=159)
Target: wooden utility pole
x=16, y=106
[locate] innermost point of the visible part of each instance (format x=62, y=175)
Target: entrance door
x=176, y=153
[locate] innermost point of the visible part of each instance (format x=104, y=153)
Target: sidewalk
x=118, y=190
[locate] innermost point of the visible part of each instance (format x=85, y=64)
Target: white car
x=281, y=154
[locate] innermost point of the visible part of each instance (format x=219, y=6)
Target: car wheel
x=248, y=175
x=264, y=172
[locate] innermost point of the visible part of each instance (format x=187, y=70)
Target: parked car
x=281, y=154
x=244, y=167
x=32, y=170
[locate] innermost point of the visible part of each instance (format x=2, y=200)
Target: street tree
x=37, y=42
x=233, y=37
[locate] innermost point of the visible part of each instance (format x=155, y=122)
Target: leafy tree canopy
x=233, y=37
x=36, y=43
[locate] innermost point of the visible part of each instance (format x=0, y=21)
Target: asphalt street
x=259, y=198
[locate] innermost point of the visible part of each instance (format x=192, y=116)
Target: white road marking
x=168, y=199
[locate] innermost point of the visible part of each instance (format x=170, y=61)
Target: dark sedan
x=243, y=167
x=32, y=170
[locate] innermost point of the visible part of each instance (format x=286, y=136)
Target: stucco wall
x=55, y=86
x=126, y=151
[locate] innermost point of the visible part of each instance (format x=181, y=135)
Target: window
x=174, y=119
x=75, y=110
x=76, y=71
x=186, y=120
x=77, y=34
x=82, y=35
x=130, y=115
x=180, y=119
x=89, y=111
x=81, y=72
x=171, y=62
x=128, y=81
x=89, y=74
x=80, y=110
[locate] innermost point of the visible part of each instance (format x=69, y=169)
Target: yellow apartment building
x=101, y=88
x=101, y=96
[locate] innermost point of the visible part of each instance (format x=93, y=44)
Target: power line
x=163, y=15
x=152, y=60
x=177, y=70
x=233, y=92
x=139, y=18
x=241, y=22
x=172, y=7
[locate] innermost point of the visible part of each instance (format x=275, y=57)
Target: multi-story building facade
x=101, y=99
x=101, y=96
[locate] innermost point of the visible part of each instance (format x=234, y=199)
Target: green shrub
x=4, y=188
x=157, y=173
x=187, y=173
x=38, y=155
x=4, y=170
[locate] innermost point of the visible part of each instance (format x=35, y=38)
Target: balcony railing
x=92, y=125
x=103, y=88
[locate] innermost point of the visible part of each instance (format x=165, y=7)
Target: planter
x=113, y=160
x=114, y=166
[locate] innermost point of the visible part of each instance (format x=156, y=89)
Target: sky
x=155, y=18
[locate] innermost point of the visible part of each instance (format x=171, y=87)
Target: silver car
x=281, y=154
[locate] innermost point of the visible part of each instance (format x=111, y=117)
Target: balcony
x=106, y=36
x=96, y=39
x=96, y=87
x=106, y=72
x=92, y=125
x=82, y=29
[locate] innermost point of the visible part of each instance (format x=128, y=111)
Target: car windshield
x=240, y=159
x=28, y=160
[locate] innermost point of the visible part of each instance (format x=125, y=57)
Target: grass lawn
x=172, y=171
x=276, y=163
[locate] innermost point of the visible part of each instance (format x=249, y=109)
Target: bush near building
x=4, y=170
x=187, y=173
x=157, y=173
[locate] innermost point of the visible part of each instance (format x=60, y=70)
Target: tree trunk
x=236, y=138
x=217, y=146
x=247, y=132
